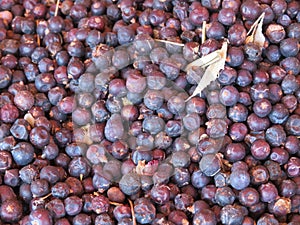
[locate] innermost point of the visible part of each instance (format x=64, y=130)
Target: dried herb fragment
x=255, y=33
x=214, y=62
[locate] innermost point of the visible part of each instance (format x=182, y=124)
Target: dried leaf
x=255, y=32
x=215, y=62
x=203, y=61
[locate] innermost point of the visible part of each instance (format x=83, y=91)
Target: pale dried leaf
x=259, y=37
x=255, y=33
x=213, y=70
x=204, y=60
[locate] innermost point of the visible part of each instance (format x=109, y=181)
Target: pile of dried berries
x=163, y=112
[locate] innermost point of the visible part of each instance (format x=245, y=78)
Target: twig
x=132, y=212
x=169, y=42
x=203, y=35
x=115, y=203
x=38, y=40
x=45, y=197
x=56, y=8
